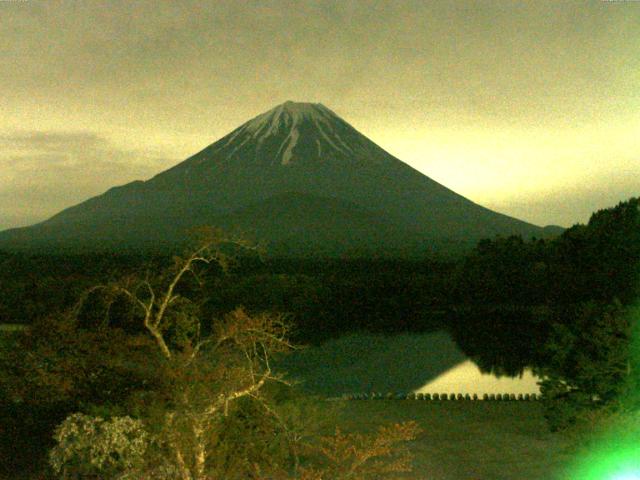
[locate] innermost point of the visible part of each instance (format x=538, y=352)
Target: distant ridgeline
x=298, y=180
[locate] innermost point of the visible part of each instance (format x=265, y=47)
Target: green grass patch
x=12, y=327
x=469, y=440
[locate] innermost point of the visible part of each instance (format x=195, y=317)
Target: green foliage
x=505, y=271
x=34, y=285
x=250, y=436
x=555, y=305
x=328, y=298
x=613, y=252
x=376, y=294
x=588, y=362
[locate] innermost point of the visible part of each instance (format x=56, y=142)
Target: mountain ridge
x=302, y=148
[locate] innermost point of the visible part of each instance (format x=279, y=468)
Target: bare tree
x=207, y=369
x=206, y=372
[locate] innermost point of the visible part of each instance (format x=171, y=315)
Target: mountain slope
x=296, y=153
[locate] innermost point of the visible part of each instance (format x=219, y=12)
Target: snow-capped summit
x=293, y=132
x=290, y=114
x=290, y=117
x=297, y=174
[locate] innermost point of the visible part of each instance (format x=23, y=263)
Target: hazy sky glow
x=529, y=108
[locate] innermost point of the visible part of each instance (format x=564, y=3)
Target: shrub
x=93, y=446
x=589, y=362
x=363, y=457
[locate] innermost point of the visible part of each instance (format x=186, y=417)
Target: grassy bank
x=469, y=440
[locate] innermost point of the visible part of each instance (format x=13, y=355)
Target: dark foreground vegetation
x=168, y=358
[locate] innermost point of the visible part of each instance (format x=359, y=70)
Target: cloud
x=181, y=74
x=44, y=172
x=532, y=60
x=571, y=205
x=52, y=140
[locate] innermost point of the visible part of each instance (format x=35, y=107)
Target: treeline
x=34, y=285
x=507, y=288
x=565, y=307
x=597, y=261
x=323, y=297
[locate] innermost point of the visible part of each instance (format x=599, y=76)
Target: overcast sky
x=529, y=108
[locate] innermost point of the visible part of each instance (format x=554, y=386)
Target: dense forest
x=324, y=297
x=562, y=306
x=566, y=307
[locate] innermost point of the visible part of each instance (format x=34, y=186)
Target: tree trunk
x=184, y=471
x=200, y=453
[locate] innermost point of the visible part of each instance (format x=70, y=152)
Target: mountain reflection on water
x=403, y=363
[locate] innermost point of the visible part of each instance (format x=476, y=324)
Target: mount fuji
x=298, y=179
